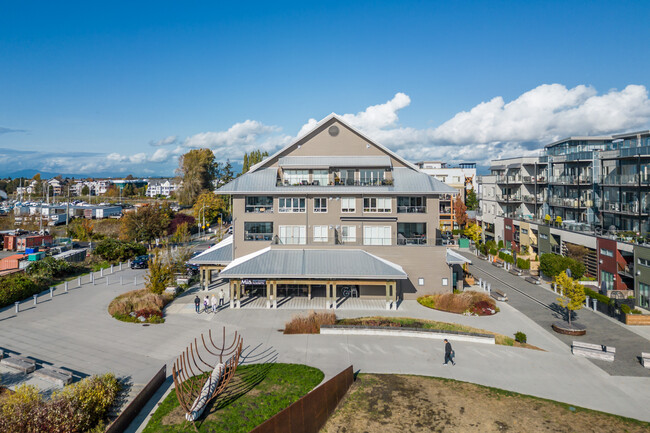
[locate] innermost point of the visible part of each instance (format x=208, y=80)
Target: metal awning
x=453, y=258
x=219, y=254
x=313, y=263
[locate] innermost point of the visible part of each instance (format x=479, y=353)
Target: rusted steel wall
x=310, y=413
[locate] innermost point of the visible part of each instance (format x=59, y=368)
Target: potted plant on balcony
x=547, y=218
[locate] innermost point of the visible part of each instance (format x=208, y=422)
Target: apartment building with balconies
x=589, y=191
x=335, y=190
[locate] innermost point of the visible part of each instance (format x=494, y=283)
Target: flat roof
x=313, y=263
x=581, y=138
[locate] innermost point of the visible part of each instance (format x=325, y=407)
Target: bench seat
x=498, y=295
x=25, y=365
x=533, y=280
x=54, y=375
x=515, y=271
x=497, y=264
x=645, y=359
x=594, y=351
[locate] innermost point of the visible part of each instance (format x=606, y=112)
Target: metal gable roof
x=405, y=181
x=220, y=253
x=313, y=263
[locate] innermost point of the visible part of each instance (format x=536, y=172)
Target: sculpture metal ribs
x=198, y=382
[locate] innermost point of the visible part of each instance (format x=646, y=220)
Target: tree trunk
x=569, y=315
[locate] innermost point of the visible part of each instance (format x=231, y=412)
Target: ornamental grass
x=141, y=299
x=469, y=302
x=309, y=324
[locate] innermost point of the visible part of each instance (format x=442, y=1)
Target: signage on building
x=248, y=282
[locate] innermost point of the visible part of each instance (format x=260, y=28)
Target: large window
x=258, y=231
x=348, y=204
x=371, y=177
x=607, y=280
x=293, y=235
x=263, y=204
x=376, y=235
x=320, y=233
x=291, y=204
x=377, y=204
x=606, y=252
x=296, y=177
x=410, y=205
x=320, y=204
x=347, y=177
x=644, y=295
x=320, y=176
x=411, y=234
x=349, y=233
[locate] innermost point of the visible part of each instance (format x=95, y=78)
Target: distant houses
x=162, y=187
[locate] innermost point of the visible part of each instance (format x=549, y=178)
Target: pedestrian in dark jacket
x=197, y=304
x=449, y=353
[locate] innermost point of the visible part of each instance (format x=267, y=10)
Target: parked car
x=140, y=262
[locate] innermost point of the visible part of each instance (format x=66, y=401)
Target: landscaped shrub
x=500, y=245
x=309, y=324
x=626, y=309
x=520, y=337
x=553, y=265
x=16, y=287
x=463, y=303
x=595, y=295
x=77, y=408
x=115, y=250
x=523, y=263
x=506, y=257
x=139, y=303
x=43, y=272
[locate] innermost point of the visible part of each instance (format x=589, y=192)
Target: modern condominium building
x=589, y=191
x=335, y=211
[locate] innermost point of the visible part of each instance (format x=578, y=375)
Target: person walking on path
x=213, y=302
x=221, y=295
x=206, y=302
x=449, y=353
x=197, y=304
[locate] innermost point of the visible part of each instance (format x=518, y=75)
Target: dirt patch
x=400, y=403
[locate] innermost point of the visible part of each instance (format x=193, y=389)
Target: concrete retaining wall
x=408, y=332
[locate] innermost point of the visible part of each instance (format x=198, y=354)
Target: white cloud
x=172, y=139
x=239, y=138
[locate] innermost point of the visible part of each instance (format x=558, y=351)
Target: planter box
x=637, y=319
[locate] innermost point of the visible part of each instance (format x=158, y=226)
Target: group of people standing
x=209, y=302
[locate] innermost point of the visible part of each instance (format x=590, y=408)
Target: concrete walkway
x=74, y=330
x=539, y=303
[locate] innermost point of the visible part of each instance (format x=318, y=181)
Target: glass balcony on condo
x=338, y=177
x=622, y=179
x=411, y=205
x=571, y=179
x=625, y=208
x=570, y=202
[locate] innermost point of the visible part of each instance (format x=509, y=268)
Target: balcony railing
x=508, y=197
x=259, y=209
x=343, y=182
x=571, y=180
x=631, y=208
x=570, y=202
x=412, y=209
x=621, y=179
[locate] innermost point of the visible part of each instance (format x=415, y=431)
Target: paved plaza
x=74, y=331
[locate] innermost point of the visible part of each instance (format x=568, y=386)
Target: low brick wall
x=310, y=413
x=637, y=319
x=133, y=409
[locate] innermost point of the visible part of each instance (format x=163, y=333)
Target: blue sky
x=118, y=88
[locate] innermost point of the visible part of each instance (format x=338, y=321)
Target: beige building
x=335, y=214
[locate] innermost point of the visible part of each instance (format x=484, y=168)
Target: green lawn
x=256, y=393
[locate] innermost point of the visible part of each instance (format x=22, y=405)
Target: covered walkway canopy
x=455, y=261
x=312, y=267
x=453, y=258
x=214, y=258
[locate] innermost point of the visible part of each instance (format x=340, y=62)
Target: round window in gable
x=333, y=130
